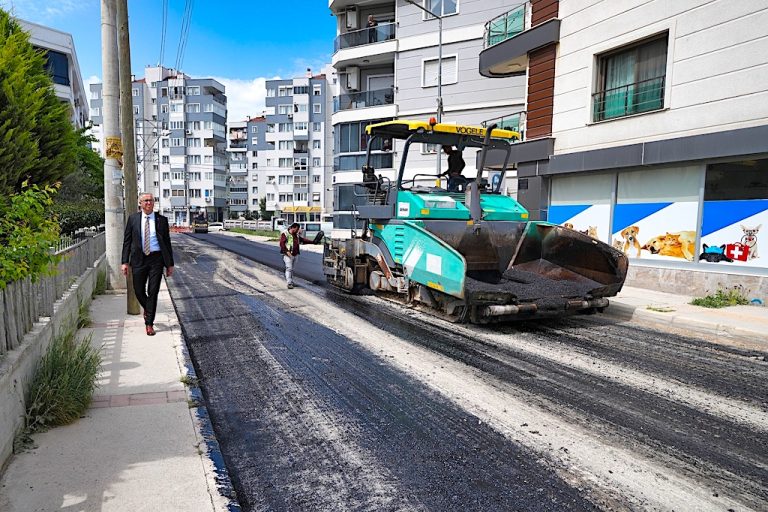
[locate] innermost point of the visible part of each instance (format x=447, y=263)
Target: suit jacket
x=133, y=249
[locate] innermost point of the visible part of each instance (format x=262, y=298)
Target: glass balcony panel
x=380, y=33
x=514, y=122
x=505, y=26
x=364, y=99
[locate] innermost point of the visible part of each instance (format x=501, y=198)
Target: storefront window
x=735, y=211
x=583, y=203
x=656, y=213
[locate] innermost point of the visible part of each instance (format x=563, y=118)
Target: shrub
x=64, y=382
x=73, y=216
x=26, y=234
x=735, y=296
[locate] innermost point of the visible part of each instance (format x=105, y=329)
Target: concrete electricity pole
x=114, y=211
x=126, y=127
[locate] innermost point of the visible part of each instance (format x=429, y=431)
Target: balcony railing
x=377, y=34
x=626, y=100
x=237, y=144
x=505, y=26
x=514, y=122
x=364, y=99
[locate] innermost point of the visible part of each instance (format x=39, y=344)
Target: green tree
x=265, y=215
x=87, y=181
x=37, y=141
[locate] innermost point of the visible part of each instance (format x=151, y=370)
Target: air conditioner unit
x=207, y=199
x=290, y=116
x=353, y=78
x=188, y=132
x=350, y=18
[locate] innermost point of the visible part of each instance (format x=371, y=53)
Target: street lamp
x=439, y=59
x=439, y=68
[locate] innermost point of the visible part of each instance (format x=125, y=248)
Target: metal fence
x=23, y=302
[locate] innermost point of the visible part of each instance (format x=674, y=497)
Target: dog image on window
x=568, y=225
x=678, y=245
x=629, y=235
x=750, y=239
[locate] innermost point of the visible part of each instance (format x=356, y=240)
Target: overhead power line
x=184, y=35
x=162, y=33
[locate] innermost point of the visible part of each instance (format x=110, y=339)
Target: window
x=315, y=144
x=178, y=193
x=284, y=90
x=164, y=109
x=166, y=177
x=316, y=127
x=254, y=141
x=57, y=65
x=429, y=70
x=164, y=143
x=177, y=107
x=285, y=127
x=300, y=180
x=254, y=129
x=134, y=92
x=441, y=7
x=177, y=125
x=254, y=190
x=316, y=162
x=193, y=108
x=300, y=89
x=285, y=144
x=351, y=137
x=166, y=159
x=317, y=90
x=631, y=80
x=163, y=92
x=300, y=126
x=270, y=93
x=176, y=142
x=194, y=192
x=300, y=196
x=270, y=197
x=193, y=142
x=316, y=108
x=285, y=180
x=193, y=91
x=270, y=128
x=283, y=109
x=194, y=159
x=316, y=178
x=315, y=197
x=285, y=162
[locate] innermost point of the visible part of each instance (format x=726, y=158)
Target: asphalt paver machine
x=472, y=254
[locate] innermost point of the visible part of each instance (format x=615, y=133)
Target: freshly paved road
x=316, y=407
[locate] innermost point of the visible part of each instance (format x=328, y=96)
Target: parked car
x=216, y=226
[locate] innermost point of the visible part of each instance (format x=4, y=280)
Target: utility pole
x=126, y=127
x=114, y=210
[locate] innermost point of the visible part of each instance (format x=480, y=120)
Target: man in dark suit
x=147, y=249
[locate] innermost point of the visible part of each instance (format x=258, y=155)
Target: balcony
x=509, y=38
x=364, y=99
x=514, y=122
x=237, y=144
x=505, y=26
x=378, y=34
x=627, y=100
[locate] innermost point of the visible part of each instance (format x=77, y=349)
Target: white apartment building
x=180, y=125
x=392, y=72
x=290, y=146
x=648, y=121
x=62, y=64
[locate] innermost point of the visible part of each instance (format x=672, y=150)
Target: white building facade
x=180, y=125
x=61, y=63
x=649, y=124
x=392, y=71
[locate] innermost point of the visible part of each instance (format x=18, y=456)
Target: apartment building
x=647, y=122
x=61, y=63
x=292, y=171
x=180, y=127
x=237, y=136
x=399, y=68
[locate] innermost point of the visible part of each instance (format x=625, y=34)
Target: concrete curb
x=679, y=320
x=216, y=471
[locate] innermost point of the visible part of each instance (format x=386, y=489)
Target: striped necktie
x=146, y=236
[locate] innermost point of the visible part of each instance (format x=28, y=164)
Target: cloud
x=244, y=97
x=93, y=79
x=44, y=11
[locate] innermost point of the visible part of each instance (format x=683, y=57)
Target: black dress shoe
x=150, y=330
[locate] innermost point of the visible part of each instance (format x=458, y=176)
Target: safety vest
x=288, y=241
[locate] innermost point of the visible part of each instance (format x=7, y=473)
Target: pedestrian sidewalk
x=141, y=445
x=746, y=325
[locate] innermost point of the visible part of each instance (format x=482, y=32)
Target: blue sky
x=240, y=43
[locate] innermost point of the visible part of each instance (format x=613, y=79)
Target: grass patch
x=101, y=283
x=188, y=381
x=660, y=309
x=83, y=315
x=63, y=385
x=258, y=232
x=723, y=298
